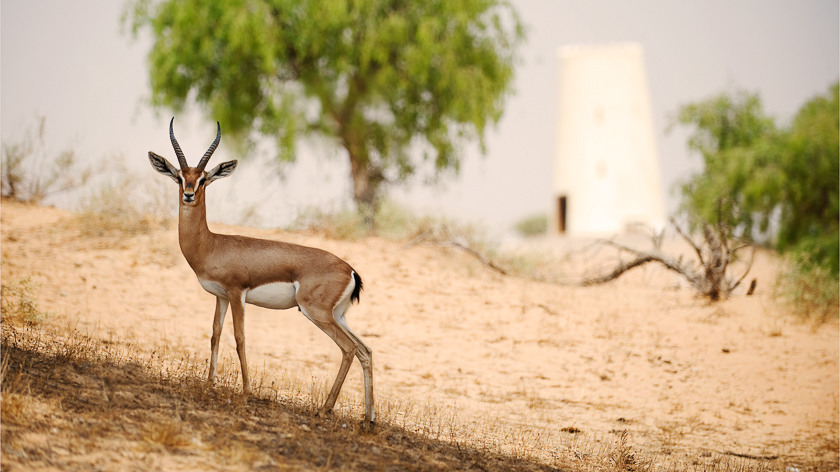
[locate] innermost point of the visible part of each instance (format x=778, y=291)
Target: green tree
x=756, y=173
x=735, y=139
x=377, y=77
x=810, y=199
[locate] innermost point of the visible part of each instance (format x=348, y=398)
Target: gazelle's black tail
x=354, y=297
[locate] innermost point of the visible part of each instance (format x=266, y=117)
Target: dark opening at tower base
x=561, y=214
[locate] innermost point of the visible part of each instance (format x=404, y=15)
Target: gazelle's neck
x=193, y=234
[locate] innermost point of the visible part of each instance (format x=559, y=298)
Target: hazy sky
x=70, y=62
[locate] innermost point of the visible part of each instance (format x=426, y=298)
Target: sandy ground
x=641, y=353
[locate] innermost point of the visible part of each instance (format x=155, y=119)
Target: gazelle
x=269, y=274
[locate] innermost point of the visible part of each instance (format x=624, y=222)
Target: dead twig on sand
x=441, y=237
x=484, y=260
x=749, y=456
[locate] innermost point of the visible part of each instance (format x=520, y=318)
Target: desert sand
x=642, y=353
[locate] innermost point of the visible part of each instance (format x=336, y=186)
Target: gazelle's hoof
x=323, y=412
x=367, y=426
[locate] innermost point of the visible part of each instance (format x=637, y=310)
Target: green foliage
x=735, y=138
x=533, y=225
x=810, y=217
x=757, y=174
x=374, y=77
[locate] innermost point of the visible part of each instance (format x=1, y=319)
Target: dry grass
x=810, y=293
x=108, y=396
x=18, y=305
x=124, y=209
x=167, y=433
x=15, y=402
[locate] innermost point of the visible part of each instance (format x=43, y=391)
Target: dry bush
x=712, y=274
x=811, y=293
x=31, y=172
x=18, y=305
x=534, y=225
x=125, y=208
x=345, y=225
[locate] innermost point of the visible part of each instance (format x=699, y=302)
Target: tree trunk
x=367, y=177
x=365, y=190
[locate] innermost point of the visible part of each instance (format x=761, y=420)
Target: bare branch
x=474, y=253
x=747, y=271
x=689, y=240
x=616, y=273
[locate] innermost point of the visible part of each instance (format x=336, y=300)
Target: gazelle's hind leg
x=323, y=320
x=365, y=356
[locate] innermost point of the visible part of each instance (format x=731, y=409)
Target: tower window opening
x=561, y=214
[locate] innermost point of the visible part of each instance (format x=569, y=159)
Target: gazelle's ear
x=163, y=166
x=222, y=170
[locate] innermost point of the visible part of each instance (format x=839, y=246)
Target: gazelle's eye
x=180, y=181
x=199, y=182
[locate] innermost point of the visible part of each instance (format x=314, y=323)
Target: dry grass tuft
x=15, y=403
x=124, y=209
x=167, y=433
x=810, y=293
x=18, y=305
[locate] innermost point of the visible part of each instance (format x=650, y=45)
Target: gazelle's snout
x=189, y=196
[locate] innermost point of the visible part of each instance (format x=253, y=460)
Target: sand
x=642, y=353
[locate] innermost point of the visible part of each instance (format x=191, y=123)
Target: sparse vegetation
x=533, y=225
x=31, y=171
x=18, y=305
x=167, y=406
x=397, y=223
x=123, y=209
x=809, y=292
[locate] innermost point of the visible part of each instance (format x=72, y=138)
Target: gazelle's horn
x=206, y=157
x=182, y=161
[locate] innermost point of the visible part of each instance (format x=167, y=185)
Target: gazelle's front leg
x=237, y=307
x=218, y=322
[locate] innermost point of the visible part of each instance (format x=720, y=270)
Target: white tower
x=606, y=174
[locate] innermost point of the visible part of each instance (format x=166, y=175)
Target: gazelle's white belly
x=277, y=295
x=213, y=287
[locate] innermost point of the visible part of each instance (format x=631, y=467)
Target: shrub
x=18, y=305
x=31, y=172
x=126, y=207
x=811, y=291
x=533, y=225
